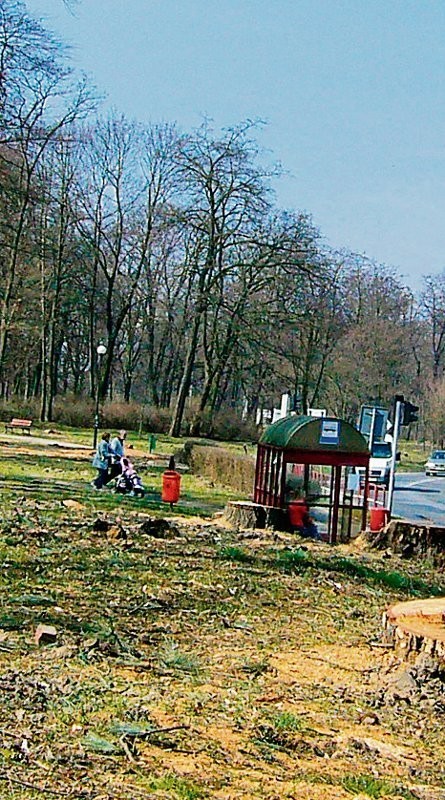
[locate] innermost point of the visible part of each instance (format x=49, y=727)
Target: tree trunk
x=417, y=626
x=252, y=515
x=411, y=539
x=184, y=388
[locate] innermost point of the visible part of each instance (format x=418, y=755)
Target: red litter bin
x=378, y=518
x=171, y=486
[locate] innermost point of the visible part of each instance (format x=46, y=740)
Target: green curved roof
x=307, y=433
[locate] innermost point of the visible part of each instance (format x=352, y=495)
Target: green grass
x=373, y=787
x=43, y=476
x=182, y=788
x=413, y=456
x=173, y=658
x=300, y=560
x=280, y=731
x=255, y=668
x=231, y=553
x=243, y=653
x=286, y=721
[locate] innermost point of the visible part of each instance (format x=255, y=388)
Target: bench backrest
x=22, y=423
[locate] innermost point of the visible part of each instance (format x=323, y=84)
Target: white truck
x=379, y=464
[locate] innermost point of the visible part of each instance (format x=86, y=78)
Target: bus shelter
x=324, y=452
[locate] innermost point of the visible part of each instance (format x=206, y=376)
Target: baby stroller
x=128, y=482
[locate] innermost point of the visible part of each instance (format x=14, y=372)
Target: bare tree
x=432, y=310
x=39, y=101
x=226, y=191
x=127, y=179
x=373, y=358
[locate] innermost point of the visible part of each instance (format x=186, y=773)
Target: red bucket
x=378, y=518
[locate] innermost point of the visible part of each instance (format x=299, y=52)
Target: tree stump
x=243, y=514
x=409, y=538
x=417, y=626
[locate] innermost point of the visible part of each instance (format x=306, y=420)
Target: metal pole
x=371, y=429
x=335, y=505
x=96, y=408
x=365, y=498
x=96, y=422
x=397, y=417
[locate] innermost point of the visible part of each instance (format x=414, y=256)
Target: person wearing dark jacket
x=101, y=460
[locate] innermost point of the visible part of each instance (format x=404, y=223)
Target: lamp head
x=101, y=349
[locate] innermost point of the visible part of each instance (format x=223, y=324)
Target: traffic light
x=398, y=398
x=409, y=413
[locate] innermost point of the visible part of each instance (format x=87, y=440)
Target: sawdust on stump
x=417, y=626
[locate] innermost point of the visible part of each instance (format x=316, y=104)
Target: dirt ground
x=187, y=659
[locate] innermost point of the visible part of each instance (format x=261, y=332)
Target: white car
x=436, y=463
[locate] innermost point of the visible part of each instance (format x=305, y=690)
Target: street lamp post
x=100, y=350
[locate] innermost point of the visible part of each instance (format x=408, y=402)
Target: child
x=132, y=480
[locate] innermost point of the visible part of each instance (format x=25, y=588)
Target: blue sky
x=353, y=93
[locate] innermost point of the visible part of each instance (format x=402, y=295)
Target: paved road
x=417, y=496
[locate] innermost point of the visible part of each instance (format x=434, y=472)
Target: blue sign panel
x=330, y=431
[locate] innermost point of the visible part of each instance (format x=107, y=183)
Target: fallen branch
x=384, y=645
x=155, y=731
x=126, y=749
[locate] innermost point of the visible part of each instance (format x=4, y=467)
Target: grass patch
x=293, y=560
x=43, y=476
x=373, y=787
x=281, y=731
x=255, y=668
x=182, y=788
x=205, y=651
x=286, y=721
x=413, y=456
x=230, y=553
x=300, y=560
x=174, y=659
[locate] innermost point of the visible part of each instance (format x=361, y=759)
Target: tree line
x=169, y=248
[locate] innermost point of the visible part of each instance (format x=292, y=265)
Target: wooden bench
x=23, y=425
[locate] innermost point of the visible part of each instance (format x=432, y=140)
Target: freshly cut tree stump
x=244, y=514
x=417, y=626
x=409, y=538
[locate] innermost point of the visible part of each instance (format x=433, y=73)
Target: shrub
x=17, y=407
x=235, y=554
x=78, y=412
x=75, y=411
x=134, y=416
x=117, y=414
x=225, y=424
x=221, y=466
x=157, y=420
